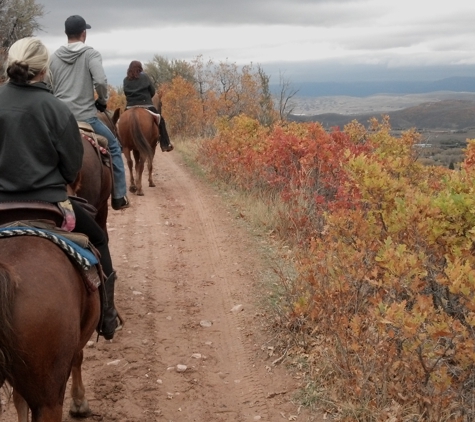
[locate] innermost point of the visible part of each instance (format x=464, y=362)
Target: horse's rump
x=137, y=131
x=47, y=315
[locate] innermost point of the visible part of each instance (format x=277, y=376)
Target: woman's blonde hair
x=27, y=58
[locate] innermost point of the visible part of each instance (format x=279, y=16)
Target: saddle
x=99, y=142
x=30, y=210
x=36, y=218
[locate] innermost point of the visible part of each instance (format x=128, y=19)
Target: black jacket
x=40, y=145
x=139, y=91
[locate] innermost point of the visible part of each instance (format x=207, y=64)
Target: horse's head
x=110, y=119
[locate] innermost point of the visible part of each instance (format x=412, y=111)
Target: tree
x=266, y=114
x=183, y=108
x=162, y=71
x=18, y=19
x=286, y=93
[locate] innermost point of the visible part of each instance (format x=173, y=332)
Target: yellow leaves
x=386, y=281
x=460, y=277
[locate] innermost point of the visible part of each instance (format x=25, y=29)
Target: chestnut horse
x=47, y=315
x=138, y=133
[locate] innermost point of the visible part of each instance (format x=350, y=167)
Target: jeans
x=120, y=186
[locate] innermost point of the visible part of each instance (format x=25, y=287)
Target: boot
x=165, y=144
x=111, y=321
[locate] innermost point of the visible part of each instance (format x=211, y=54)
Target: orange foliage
x=384, y=253
x=182, y=108
x=116, y=100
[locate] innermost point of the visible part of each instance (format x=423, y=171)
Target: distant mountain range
x=445, y=114
x=364, y=89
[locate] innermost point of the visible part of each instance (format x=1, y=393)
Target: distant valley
x=445, y=120
x=444, y=104
x=435, y=110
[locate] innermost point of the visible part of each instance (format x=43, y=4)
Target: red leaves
x=384, y=248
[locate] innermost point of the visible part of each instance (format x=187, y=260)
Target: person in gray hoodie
x=76, y=72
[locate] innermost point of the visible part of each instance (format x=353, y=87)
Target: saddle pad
x=84, y=257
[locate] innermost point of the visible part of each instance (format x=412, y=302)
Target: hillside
x=434, y=115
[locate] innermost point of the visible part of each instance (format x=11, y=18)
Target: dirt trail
x=183, y=261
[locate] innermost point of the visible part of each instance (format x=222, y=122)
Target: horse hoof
x=139, y=193
x=80, y=415
x=152, y=185
x=80, y=411
x=132, y=189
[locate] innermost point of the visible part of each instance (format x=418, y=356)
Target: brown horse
x=47, y=315
x=138, y=133
x=95, y=180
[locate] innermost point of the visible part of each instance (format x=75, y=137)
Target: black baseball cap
x=75, y=25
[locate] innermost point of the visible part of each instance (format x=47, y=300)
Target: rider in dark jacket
x=41, y=150
x=139, y=90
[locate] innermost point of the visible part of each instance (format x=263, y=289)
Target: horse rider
x=42, y=151
x=76, y=71
x=139, y=90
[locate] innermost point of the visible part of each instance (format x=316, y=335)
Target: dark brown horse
x=139, y=135
x=95, y=180
x=47, y=315
x=95, y=177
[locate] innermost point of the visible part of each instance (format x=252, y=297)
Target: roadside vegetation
x=379, y=303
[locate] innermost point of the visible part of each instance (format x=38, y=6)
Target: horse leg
x=138, y=172
x=21, y=407
x=130, y=165
x=150, y=173
x=47, y=413
x=139, y=166
x=79, y=405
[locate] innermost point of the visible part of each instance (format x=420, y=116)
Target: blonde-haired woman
x=41, y=150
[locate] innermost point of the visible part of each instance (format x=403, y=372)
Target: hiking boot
x=120, y=203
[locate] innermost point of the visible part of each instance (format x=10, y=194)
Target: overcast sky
x=304, y=40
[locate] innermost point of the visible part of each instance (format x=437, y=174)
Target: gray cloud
x=107, y=14
x=308, y=39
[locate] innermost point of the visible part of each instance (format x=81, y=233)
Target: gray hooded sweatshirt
x=76, y=71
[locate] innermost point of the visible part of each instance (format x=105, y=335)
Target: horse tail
x=141, y=143
x=7, y=295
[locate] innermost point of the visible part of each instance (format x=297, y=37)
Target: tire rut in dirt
x=212, y=285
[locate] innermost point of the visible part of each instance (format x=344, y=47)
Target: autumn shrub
x=392, y=284
x=383, y=249
x=182, y=108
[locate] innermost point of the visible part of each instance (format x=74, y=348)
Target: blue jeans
x=120, y=186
